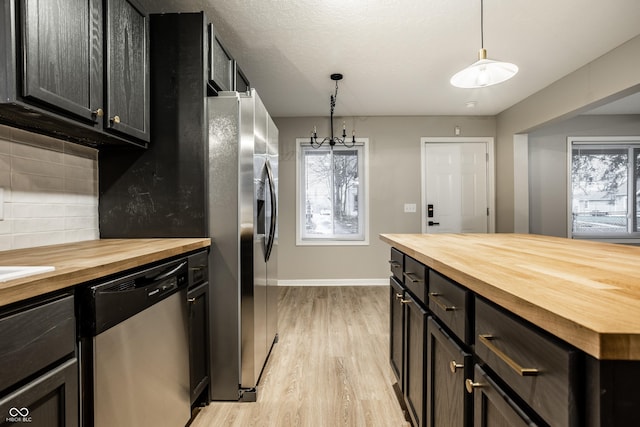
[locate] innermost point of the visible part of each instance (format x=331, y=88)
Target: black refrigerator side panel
x=161, y=191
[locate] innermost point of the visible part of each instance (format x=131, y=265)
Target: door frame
x=491, y=171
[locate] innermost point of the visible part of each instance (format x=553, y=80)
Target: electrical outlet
x=409, y=207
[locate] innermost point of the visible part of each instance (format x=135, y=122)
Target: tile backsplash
x=50, y=190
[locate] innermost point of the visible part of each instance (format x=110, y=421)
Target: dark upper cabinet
x=221, y=66
x=76, y=69
x=60, y=69
x=127, y=65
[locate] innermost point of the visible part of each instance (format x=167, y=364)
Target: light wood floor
x=329, y=368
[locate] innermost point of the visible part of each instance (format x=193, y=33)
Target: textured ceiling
x=397, y=55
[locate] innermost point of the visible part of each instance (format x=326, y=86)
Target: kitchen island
x=523, y=299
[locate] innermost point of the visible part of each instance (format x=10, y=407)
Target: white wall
x=50, y=190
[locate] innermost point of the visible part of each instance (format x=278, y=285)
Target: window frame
x=363, y=193
x=607, y=142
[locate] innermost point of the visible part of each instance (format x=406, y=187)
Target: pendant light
x=484, y=72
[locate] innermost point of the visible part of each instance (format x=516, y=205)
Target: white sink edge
x=10, y=272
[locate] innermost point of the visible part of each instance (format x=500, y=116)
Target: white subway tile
x=37, y=239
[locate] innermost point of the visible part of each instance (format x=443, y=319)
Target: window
x=332, y=197
x=604, y=187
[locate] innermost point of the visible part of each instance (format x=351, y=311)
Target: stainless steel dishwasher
x=134, y=349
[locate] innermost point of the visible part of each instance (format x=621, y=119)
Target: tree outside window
x=331, y=189
x=605, y=179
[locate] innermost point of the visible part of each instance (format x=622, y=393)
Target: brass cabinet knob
x=98, y=113
x=405, y=301
x=115, y=119
x=398, y=296
x=454, y=366
x=470, y=385
x=191, y=300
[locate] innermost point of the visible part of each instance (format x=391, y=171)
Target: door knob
x=431, y=223
x=470, y=385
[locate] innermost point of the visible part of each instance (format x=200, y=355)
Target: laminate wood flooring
x=329, y=368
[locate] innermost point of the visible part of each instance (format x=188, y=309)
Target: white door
x=457, y=185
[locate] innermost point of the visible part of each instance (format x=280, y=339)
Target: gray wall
x=394, y=179
x=548, y=162
x=611, y=76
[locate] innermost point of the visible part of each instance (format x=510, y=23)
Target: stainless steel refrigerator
x=211, y=170
x=243, y=191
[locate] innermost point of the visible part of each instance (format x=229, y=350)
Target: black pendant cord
x=333, y=139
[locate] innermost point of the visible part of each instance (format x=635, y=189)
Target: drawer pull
x=412, y=277
x=405, y=301
x=394, y=263
x=524, y=372
x=454, y=366
x=435, y=298
x=398, y=296
x=470, y=385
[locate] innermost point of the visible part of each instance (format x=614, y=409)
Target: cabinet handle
x=98, y=113
x=398, y=296
x=412, y=277
x=191, y=300
x=434, y=297
x=523, y=372
x=394, y=263
x=115, y=119
x=405, y=301
x=470, y=385
x=454, y=366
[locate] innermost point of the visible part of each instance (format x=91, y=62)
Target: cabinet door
x=127, y=79
x=492, y=406
x=198, y=340
x=62, y=55
x=448, y=403
x=396, y=329
x=415, y=353
x=48, y=401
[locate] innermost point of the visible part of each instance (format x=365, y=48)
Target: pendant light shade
x=484, y=72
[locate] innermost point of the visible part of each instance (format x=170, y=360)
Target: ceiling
x=397, y=55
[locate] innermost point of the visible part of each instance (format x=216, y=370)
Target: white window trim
x=593, y=140
x=365, y=219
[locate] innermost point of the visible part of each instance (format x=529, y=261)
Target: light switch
x=409, y=207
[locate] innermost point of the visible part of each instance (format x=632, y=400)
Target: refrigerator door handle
x=274, y=212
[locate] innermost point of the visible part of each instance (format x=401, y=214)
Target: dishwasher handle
x=170, y=272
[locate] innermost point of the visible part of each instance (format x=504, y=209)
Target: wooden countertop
x=80, y=262
x=584, y=292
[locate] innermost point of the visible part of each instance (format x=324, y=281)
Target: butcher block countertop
x=584, y=292
x=80, y=262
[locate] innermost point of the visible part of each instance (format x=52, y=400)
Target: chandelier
x=484, y=72
x=333, y=140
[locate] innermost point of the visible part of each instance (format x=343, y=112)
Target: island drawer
x=396, y=263
x=34, y=338
x=451, y=303
x=542, y=370
x=415, y=274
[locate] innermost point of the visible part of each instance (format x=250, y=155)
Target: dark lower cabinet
x=50, y=400
x=38, y=364
x=415, y=352
x=199, y=343
x=448, y=403
x=396, y=322
x=492, y=406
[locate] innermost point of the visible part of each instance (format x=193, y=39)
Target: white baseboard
x=335, y=282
